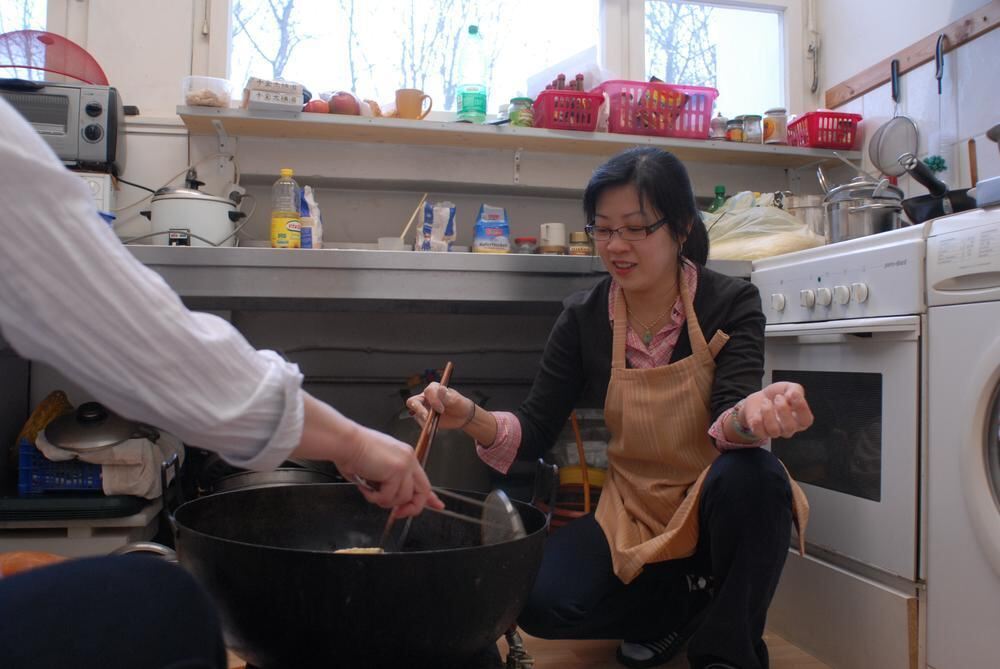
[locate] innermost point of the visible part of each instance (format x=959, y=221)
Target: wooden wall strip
x=965, y=29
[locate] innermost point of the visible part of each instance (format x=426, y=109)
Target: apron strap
x=698, y=344
x=620, y=332
x=719, y=340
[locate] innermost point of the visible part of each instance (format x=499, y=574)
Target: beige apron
x=660, y=451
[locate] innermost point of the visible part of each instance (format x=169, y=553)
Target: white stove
x=879, y=275
x=848, y=322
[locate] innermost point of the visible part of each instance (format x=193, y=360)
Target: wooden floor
x=601, y=655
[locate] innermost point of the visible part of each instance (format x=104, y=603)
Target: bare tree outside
x=678, y=46
x=20, y=15
x=271, y=28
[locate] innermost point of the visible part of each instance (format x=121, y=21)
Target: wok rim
x=179, y=526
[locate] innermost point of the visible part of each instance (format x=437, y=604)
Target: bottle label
x=285, y=232
x=472, y=102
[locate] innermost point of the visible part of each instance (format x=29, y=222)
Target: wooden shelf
x=239, y=122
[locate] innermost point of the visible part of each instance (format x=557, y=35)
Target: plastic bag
x=748, y=228
x=438, y=231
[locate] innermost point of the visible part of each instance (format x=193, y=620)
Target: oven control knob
x=841, y=294
x=824, y=297
x=94, y=109
x=859, y=291
x=807, y=298
x=777, y=301
x=93, y=133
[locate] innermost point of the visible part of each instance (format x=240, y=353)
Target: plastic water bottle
x=470, y=93
x=719, y=201
x=285, y=228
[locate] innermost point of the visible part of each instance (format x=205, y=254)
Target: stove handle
x=895, y=328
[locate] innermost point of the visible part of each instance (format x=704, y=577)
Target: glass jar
x=579, y=244
x=734, y=130
x=718, y=127
x=525, y=244
x=776, y=126
x=753, y=133
x=520, y=112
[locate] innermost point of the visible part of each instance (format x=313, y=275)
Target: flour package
x=438, y=230
x=492, y=232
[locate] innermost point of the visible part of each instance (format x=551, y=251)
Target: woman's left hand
x=779, y=410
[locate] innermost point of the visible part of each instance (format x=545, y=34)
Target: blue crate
x=37, y=475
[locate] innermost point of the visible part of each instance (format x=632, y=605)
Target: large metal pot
x=287, y=600
x=860, y=208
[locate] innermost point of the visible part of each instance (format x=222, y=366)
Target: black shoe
x=660, y=651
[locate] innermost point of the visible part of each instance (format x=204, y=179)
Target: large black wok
x=265, y=556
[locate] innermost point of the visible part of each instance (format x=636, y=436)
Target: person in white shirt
x=73, y=297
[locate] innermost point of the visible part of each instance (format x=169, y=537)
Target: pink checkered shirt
x=502, y=452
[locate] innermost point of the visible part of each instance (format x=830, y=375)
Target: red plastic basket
x=824, y=130
x=642, y=108
x=695, y=119
x=567, y=110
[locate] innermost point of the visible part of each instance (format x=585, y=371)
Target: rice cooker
x=189, y=217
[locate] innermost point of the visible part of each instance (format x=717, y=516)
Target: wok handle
x=923, y=175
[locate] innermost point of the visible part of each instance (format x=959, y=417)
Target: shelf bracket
x=224, y=142
x=517, y=165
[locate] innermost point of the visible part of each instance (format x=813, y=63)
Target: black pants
x=108, y=613
x=745, y=519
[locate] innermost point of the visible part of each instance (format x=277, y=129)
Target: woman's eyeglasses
x=630, y=233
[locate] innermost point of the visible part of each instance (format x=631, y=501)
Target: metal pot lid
x=861, y=187
x=91, y=427
x=189, y=194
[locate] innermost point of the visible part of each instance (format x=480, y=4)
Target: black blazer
x=576, y=365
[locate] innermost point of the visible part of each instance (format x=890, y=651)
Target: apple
x=317, y=106
x=344, y=103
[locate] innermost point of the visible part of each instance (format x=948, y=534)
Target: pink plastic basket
x=567, y=110
x=695, y=119
x=642, y=108
x=824, y=130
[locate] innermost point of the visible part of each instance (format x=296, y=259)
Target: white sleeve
x=72, y=296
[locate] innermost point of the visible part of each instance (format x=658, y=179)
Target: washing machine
x=963, y=468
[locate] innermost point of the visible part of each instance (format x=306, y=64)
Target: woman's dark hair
x=663, y=182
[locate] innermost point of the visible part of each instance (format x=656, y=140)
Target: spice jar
x=525, y=244
x=775, y=126
x=520, y=112
x=753, y=133
x=718, y=127
x=734, y=130
x=579, y=244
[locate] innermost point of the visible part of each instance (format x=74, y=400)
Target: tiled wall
x=969, y=106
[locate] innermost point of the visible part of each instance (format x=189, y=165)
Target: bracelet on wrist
x=741, y=429
x=470, y=417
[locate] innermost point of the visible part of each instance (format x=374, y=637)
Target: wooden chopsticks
x=423, y=448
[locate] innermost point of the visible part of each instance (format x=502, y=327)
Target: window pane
x=374, y=48
x=736, y=50
x=21, y=15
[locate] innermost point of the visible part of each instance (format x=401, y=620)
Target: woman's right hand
x=455, y=408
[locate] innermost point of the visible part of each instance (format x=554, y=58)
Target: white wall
x=859, y=33
x=966, y=108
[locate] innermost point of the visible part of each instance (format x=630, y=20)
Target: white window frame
x=621, y=46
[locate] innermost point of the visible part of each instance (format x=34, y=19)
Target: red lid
x=523, y=240
x=47, y=52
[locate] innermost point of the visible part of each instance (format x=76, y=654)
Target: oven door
x=858, y=463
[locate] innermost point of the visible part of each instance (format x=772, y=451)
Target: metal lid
x=862, y=187
x=775, y=110
x=188, y=194
x=579, y=237
x=91, y=427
